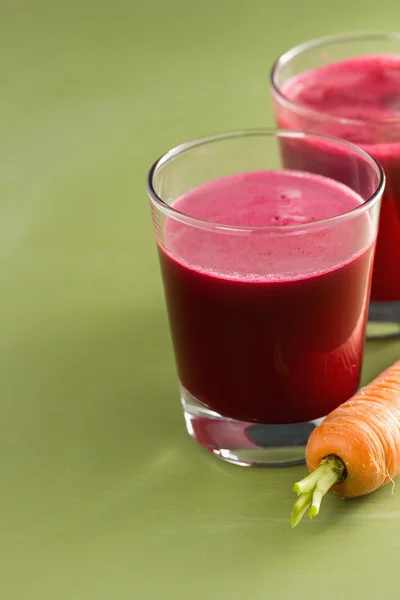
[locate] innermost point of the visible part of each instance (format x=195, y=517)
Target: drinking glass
x=267, y=321
x=378, y=135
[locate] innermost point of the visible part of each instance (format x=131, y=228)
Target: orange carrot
x=356, y=449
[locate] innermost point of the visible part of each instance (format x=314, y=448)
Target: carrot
x=356, y=449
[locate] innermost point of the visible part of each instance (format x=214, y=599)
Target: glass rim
x=176, y=151
x=295, y=51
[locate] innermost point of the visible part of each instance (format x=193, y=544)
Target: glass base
x=245, y=443
x=383, y=320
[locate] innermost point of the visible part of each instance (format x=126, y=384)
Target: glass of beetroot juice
x=266, y=272
x=349, y=86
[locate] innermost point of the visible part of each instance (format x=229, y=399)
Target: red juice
x=366, y=89
x=268, y=328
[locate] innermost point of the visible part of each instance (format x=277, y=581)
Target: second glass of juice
x=266, y=265
x=349, y=86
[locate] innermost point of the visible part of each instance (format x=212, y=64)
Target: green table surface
x=102, y=493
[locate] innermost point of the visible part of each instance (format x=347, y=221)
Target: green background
x=102, y=493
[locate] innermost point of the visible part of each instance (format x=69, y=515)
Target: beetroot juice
x=358, y=99
x=266, y=250
x=268, y=327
